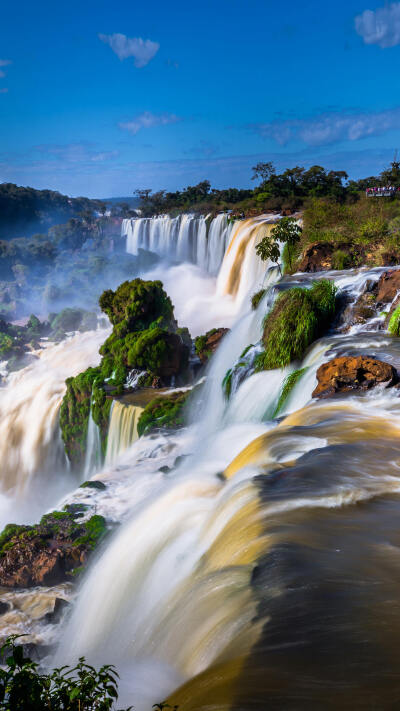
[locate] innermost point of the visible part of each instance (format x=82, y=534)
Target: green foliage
x=227, y=383
x=23, y=687
x=340, y=260
x=299, y=316
x=287, y=388
x=96, y=529
x=256, y=298
x=137, y=305
x=12, y=530
x=163, y=412
x=394, y=323
x=287, y=232
x=74, y=414
x=268, y=249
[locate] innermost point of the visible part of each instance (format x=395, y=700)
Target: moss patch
x=287, y=388
x=394, y=323
x=163, y=412
x=297, y=319
x=256, y=298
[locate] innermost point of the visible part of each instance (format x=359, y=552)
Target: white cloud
x=381, y=26
x=330, y=127
x=148, y=120
x=124, y=47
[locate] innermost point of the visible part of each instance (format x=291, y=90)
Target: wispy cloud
x=5, y=62
x=4, y=91
x=125, y=47
x=381, y=26
x=329, y=127
x=148, y=120
x=84, y=152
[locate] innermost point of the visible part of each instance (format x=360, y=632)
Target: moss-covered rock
x=145, y=338
x=298, y=317
x=207, y=344
x=164, y=412
x=49, y=552
x=256, y=298
x=71, y=319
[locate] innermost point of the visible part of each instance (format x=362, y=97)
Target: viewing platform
x=387, y=191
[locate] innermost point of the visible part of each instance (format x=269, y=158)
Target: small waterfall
x=122, y=431
x=183, y=238
x=93, y=457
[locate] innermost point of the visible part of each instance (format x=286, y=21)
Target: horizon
x=100, y=101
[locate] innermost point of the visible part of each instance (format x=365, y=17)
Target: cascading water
x=122, y=431
x=212, y=576
x=31, y=450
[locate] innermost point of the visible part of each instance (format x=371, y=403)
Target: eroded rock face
x=353, y=373
x=207, y=345
x=388, y=286
x=47, y=554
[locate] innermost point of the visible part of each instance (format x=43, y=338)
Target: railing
x=388, y=191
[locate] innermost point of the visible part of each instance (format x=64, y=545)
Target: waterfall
x=122, y=430
x=183, y=238
x=93, y=457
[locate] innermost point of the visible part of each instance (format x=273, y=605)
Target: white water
x=34, y=470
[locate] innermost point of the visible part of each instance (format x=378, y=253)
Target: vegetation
x=394, y=322
x=165, y=412
x=299, y=317
x=288, y=232
x=291, y=380
x=24, y=687
x=256, y=298
x=145, y=336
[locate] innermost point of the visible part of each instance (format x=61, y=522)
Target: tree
x=286, y=231
x=263, y=171
x=289, y=232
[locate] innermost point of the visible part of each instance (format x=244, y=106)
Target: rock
x=353, y=373
x=48, y=553
x=4, y=607
x=388, y=286
x=207, y=345
x=317, y=257
x=59, y=606
x=93, y=484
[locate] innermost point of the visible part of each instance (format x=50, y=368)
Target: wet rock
x=4, y=607
x=388, y=286
x=60, y=605
x=353, y=373
x=50, y=552
x=206, y=345
x=93, y=484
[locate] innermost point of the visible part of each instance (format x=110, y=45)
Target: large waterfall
x=122, y=431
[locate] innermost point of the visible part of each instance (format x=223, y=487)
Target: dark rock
x=353, y=373
x=59, y=606
x=4, y=607
x=317, y=257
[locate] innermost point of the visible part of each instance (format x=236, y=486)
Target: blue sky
x=99, y=98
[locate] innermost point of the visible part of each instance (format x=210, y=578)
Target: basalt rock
x=206, y=345
x=353, y=373
x=48, y=553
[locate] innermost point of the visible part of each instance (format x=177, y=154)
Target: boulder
x=388, y=286
x=353, y=373
x=207, y=345
x=317, y=257
x=49, y=552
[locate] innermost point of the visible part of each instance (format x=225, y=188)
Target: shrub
x=164, y=411
x=297, y=319
x=340, y=260
x=394, y=323
x=256, y=298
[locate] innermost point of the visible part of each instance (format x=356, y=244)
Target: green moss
x=287, y=388
x=394, y=323
x=166, y=412
x=341, y=260
x=227, y=383
x=74, y=414
x=96, y=529
x=299, y=317
x=95, y=484
x=136, y=304
x=256, y=298
x=11, y=531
